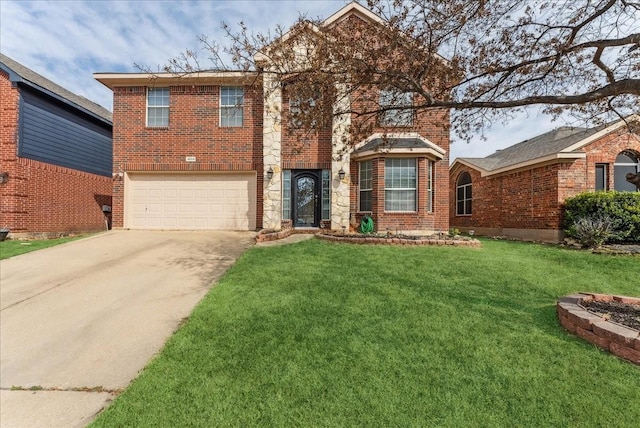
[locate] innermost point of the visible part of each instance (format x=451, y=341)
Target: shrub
x=620, y=209
x=593, y=231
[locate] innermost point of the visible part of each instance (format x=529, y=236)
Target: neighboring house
x=519, y=191
x=216, y=150
x=55, y=156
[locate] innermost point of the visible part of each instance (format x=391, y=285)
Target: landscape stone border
x=474, y=243
x=271, y=235
x=620, y=340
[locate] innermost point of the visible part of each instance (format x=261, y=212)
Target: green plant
x=593, y=231
x=14, y=247
x=390, y=336
x=621, y=208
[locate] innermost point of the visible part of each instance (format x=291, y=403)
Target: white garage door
x=191, y=202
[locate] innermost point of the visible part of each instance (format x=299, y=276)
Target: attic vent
x=192, y=89
x=130, y=90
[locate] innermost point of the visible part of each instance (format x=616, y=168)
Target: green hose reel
x=366, y=224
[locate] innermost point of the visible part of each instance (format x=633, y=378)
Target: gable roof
x=352, y=8
x=18, y=73
x=561, y=143
x=409, y=143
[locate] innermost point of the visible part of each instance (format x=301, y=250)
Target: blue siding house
x=55, y=156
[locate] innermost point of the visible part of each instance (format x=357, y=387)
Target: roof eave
x=112, y=80
x=404, y=152
x=554, y=158
x=464, y=162
x=590, y=139
x=352, y=7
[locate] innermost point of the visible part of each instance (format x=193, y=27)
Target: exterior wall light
x=4, y=177
x=269, y=173
x=341, y=174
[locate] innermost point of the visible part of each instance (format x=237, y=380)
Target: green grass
x=12, y=247
x=321, y=334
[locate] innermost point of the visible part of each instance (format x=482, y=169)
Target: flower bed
x=615, y=338
x=379, y=239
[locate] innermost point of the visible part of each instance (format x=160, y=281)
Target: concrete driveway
x=80, y=320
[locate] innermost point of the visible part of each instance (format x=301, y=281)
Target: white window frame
x=430, y=186
x=158, y=107
x=325, y=195
x=633, y=167
x=362, y=188
x=229, y=112
x=465, y=197
x=401, y=117
x=286, y=194
x=394, y=189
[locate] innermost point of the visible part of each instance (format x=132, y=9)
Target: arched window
x=463, y=194
x=626, y=162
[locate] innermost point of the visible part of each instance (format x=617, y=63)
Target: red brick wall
x=302, y=148
x=432, y=125
x=526, y=199
x=606, y=149
x=39, y=197
x=533, y=198
x=194, y=117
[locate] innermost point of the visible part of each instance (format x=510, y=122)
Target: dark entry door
x=306, y=198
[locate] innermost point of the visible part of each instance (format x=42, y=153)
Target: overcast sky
x=68, y=41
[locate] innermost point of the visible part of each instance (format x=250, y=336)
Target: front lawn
x=322, y=334
x=12, y=247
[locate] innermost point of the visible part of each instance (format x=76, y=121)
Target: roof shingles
x=543, y=145
x=36, y=79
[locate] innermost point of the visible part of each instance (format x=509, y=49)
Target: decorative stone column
x=340, y=202
x=272, y=152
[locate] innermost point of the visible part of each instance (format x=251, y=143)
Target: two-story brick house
x=221, y=150
x=55, y=156
x=520, y=191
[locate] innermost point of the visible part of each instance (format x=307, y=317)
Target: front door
x=306, y=198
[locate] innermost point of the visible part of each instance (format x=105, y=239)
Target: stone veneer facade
x=272, y=152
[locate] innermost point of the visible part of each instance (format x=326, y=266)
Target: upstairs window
x=463, y=194
x=157, y=107
x=231, y=106
x=396, y=117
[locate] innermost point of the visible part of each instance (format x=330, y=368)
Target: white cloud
x=68, y=41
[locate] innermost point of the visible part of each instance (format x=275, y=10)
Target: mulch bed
x=620, y=313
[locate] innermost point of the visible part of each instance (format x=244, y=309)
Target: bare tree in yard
x=484, y=59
